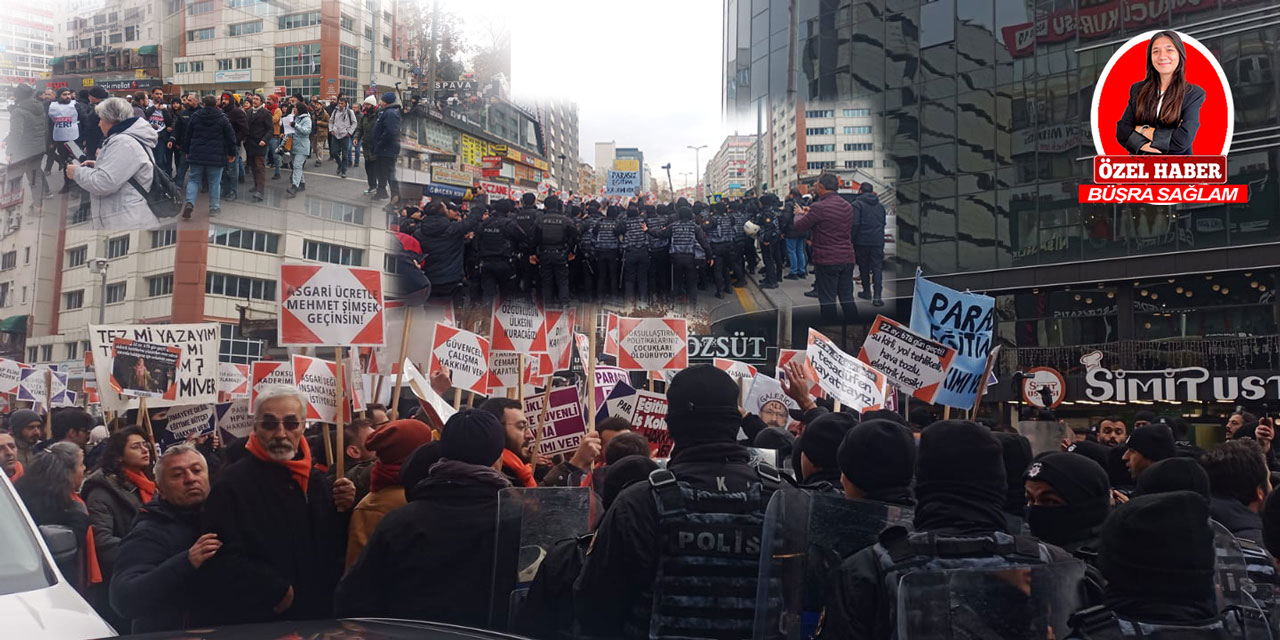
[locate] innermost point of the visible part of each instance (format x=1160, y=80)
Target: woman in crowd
x=302, y=129
x=48, y=488
x=121, y=175
x=115, y=492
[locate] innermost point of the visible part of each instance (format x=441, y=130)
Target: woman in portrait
x=1164, y=109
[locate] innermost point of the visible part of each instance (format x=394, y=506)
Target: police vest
x=634, y=238
x=494, y=241
x=555, y=232
x=606, y=237
x=1100, y=623
x=723, y=233
x=684, y=237
x=587, y=234
x=528, y=220
x=739, y=219
x=709, y=546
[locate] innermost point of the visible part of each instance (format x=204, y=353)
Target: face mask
x=1067, y=523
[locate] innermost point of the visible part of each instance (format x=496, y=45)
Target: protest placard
x=233, y=379
x=913, y=362
x=847, y=379
x=583, y=344
x=559, y=342
x=10, y=375
x=504, y=371
x=373, y=395
x=565, y=421
x=144, y=369
x=235, y=419
x=464, y=354
x=622, y=183
x=330, y=305
x=31, y=387
x=739, y=371
x=963, y=321
x=518, y=325
x=173, y=425
x=785, y=356
x=606, y=377
x=90, y=388
x=610, y=347
x=268, y=373
x=650, y=419
x=376, y=360
x=620, y=403
x=767, y=400
x=653, y=344
x=438, y=411
x=318, y=381
x=197, y=376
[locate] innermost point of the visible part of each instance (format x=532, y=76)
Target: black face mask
x=1067, y=523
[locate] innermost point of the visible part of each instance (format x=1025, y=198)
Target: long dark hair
x=1149, y=94
x=45, y=486
x=113, y=452
x=300, y=108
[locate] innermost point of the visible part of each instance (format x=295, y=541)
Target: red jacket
x=831, y=221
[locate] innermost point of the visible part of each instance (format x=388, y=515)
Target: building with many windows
x=559, y=125
x=808, y=139
x=732, y=169
x=26, y=45
x=114, y=44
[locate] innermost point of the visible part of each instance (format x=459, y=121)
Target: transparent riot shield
x=1006, y=603
x=1245, y=601
x=1044, y=435
x=807, y=537
x=769, y=456
x=531, y=521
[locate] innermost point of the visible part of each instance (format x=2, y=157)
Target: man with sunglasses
x=282, y=523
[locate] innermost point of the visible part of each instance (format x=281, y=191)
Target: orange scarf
x=513, y=463
x=300, y=468
x=146, y=486
x=17, y=473
x=93, y=572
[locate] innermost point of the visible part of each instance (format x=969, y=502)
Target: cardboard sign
x=767, y=400
x=518, y=325
x=233, y=379
x=375, y=360
x=438, y=411
x=197, y=376
x=737, y=370
x=962, y=321
x=583, y=343
x=330, y=305
x=10, y=375
x=606, y=378
x=611, y=335
x=653, y=344
x=354, y=385
x=559, y=342
x=504, y=371
x=235, y=419
x=650, y=419
x=620, y=403
x=90, y=388
x=369, y=385
x=173, y=425
x=144, y=369
x=847, y=379
x=785, y=356
x=31, y=387
x=268, y=373
x=565, y=425
x=913, y=362
x=464, y=354
x=318, y=381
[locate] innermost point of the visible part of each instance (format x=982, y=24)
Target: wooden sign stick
x=342, y=409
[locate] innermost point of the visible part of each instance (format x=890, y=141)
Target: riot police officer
x=607, y=244
x=585, y=259
x=496, y=242
x=685, y=237
x=554, y=236
x=659, y=253
x=769, y=235
x=527, y=218
x=722, y=253
x=693, y=530
x=744, y=250
x=634, y=229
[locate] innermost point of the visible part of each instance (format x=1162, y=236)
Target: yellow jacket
x=367, y=515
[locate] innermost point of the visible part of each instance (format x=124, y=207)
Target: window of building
x=201, y=7
x=298, y=20
x=76, y=256
x=348, y=60
x=857, y=130
x=244, y=63
x=347, y=23
x=819, y=148
x=858, y=146
x=225, y=284
x=73, y=299
x=224, y=64
x=80, y=215
x=820, y=113
x=820, y=131
x=115, y=38
x=347, y=87
x=9, y=260
x=33, y=354
x=259, y=241
x=160, y=285
x=386, y=41
x=244, y=28
x=26, y=255
x=368, y=33
x=298, y=59
x=821, y=165
x=117, y=247
x=854, y=113
x=390, y=264
x=116, y=292
x=197, y=67
x=196, y=35
x=234, y=347
x=73, y=350
x=859, y=164
x=179, y=67
x=336, y=211
x=304, y=86
x=337, y=254
x=164, y=237
x=46, y=352
x=240, y=4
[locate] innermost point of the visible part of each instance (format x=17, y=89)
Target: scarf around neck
x=146, y=486
x=299, y=468
x=517, y=467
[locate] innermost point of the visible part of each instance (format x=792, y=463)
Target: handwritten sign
x=847, y=379
x=913, y=362
x=197, y=377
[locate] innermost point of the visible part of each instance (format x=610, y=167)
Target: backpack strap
x=666, y=493
x=134, y=181
x=770, y=477
x=1095, y=623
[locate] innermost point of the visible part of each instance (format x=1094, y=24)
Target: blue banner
x=444, y=190
x=963, y=321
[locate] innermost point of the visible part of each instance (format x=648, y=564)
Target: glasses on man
x=271, y=423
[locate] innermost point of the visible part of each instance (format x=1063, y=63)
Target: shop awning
x=148, y=50
x=57, y=60
x=14, y=324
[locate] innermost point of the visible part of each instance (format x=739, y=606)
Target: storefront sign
x=493, y=188
x=444, y=190
x=751, y=349
x=233, y=75
x=1040, y=380
x=444, y=175
x=1188, y=384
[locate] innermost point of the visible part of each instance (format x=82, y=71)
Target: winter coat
x=154, y=583
x=442, y=241
x=342, y=123
x=260, y=130
x=303, y=125
x=209, y=138
x=364, y=131
x=366, y=516
x=831, y=220
x=28, y=126
x=239, y=122
x=1237, y=518
x=868, y=220
x=788, y=221
x=386, y=132
x=321, y=117
x=273, y=537
x=127, y=153
x=112, y=504
x=276, y=114
x=432, y=559
x=181, y=122
x=90, y=134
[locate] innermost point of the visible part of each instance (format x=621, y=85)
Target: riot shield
x=1244, y=600
x=530, y=522
x=995, y=603
x=1044, y=435
x=807, y=537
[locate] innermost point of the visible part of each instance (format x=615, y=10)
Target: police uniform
x=660, y=257
x=770, y=238
x=635, y=256
x=722, y=249
x=526, y=272
x=495, y=242
x=607, y=262
x=686, y=239
x=745, y=251
x=584, y=264
x=554, y=237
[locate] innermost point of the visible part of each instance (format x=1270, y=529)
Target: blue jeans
x=340, y=150
x=273, y=148
x=795, y=253
x=232, y=175
x=180, y=168
x=298, y=162
x=213, y=174
x=355, y=151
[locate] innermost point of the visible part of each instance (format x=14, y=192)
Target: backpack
x=165, y=199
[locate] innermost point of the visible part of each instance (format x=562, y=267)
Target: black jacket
x=112, y=508
x=260, y=129
x=868, y=221
x=1167, y=140
x=181, y=120
x=273, y=537
x=442, y=243
x=431, y=559
x=154, y=584
x=386, y=132
x=1237, y=518
x=90, y=133
x=209, y=139
x=239, y=122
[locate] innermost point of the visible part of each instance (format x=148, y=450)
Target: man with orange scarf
x=9, y=462
x=282, y=525
x=514, y=464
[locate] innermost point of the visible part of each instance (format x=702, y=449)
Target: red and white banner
x=318, y=381
x=739, y=371
x=559, y=341
x=653, y=344
x=376, y=360
x=611, y=335
x=10, y=375
x=785, y=356
x=464, y=354
x=233, y=380
x=847, y=379
x=911, y=361
x=90, y=387
x=504, y=371
x=268, y=373
x=518, y=325
x=330, y=305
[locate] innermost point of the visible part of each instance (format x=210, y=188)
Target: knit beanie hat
x=473, y=436
x=394, y=441
x=777, y=439
x=702, y=407
x=1015, y=450
x=878, y=454
x=822, y=437
x=417, y=466
x=21, y=418
x=389, y=97
x=884, y=414
x=371, y=101
x=99, y=93
x=1174, y=474
x=1095, y=451
x=1153, y=441
x=1158, y=546
x=1075, y=478
x=624, y=473
x=960, y=452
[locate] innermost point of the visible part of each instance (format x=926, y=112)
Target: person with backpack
x=210, y=143
x=124, y=170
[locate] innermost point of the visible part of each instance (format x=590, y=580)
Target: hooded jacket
x=112, y=508
x=831, y=221
x=126, y=153
x=364, y=131
x=154, y=583
x=303, y=126
x=28, y=127
x=442, y=242
x=239, y=121
x=343, y=123
x=386, y=132
x=1237, y=518
x=868, y=220
x=209, y=138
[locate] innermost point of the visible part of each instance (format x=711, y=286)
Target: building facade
x=840, y=137
x=26, y=45
x=604, y=155
x=733, y=168
x=559, y=124
x=119, y=45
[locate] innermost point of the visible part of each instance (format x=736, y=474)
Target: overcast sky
x=643, y=74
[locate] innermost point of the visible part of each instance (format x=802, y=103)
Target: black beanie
x=822, y=437
x=1086, y=493
x=778, y=439
x=1144, y=415
x=21, y=418
x=1158, y=547
x=878, y=454
x=417, y=466
x=1174, y=474
x=702, y=407
x=473, y=436
x=1015, y=450
x=1095, y=451
x=624, y=473
x=1076, y=478
x=1117, y=470
x=1271, y=524
x=1154, y=442
x=884, y=414
x=960, y=483
x=99, y=93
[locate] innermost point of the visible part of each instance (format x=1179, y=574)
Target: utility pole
x=431, y=53
x=670, y=185
x=697, y=168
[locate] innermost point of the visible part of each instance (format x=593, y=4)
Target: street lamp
x=99, y=266
x=670, y=184
x=697, y=169
x=563, y=169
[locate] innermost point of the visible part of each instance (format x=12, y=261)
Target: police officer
x=554, y=236
x=634, y=229
x=527, y=218
x=660, y=253
x=1068, y=499
x=584, y=264
x=769, y=235
x=704, y=258
x=607, y=262
x=692, y=531
x=686, y=238
x=496, y=242
x=744, y=250
x=722, y=248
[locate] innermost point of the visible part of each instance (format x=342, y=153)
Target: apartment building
x=26, y=46
x=733, y=167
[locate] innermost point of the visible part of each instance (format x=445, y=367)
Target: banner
x=318, y=381
x=235, y=419
x=375, y=360
x=173, y=425
x=233, y=379
x=739, y=371
x=565, y=425
x=848, y=380
x=464, y=354
x=504, y=371
x=90, y=388
x=197, y=376
x=611, y=335
x=10, y=375
x=962, y=321
x=330, y=305
x=620, y=403
x=143, y=369
x=518, y=325
x=354, y=386
x=916, y=364
x=268, y=373
x=622, y=183
x=650, y=419
x=785, y=356
x=653, y=344
x=606, y=378
x=31, y=387
x=559, y=342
